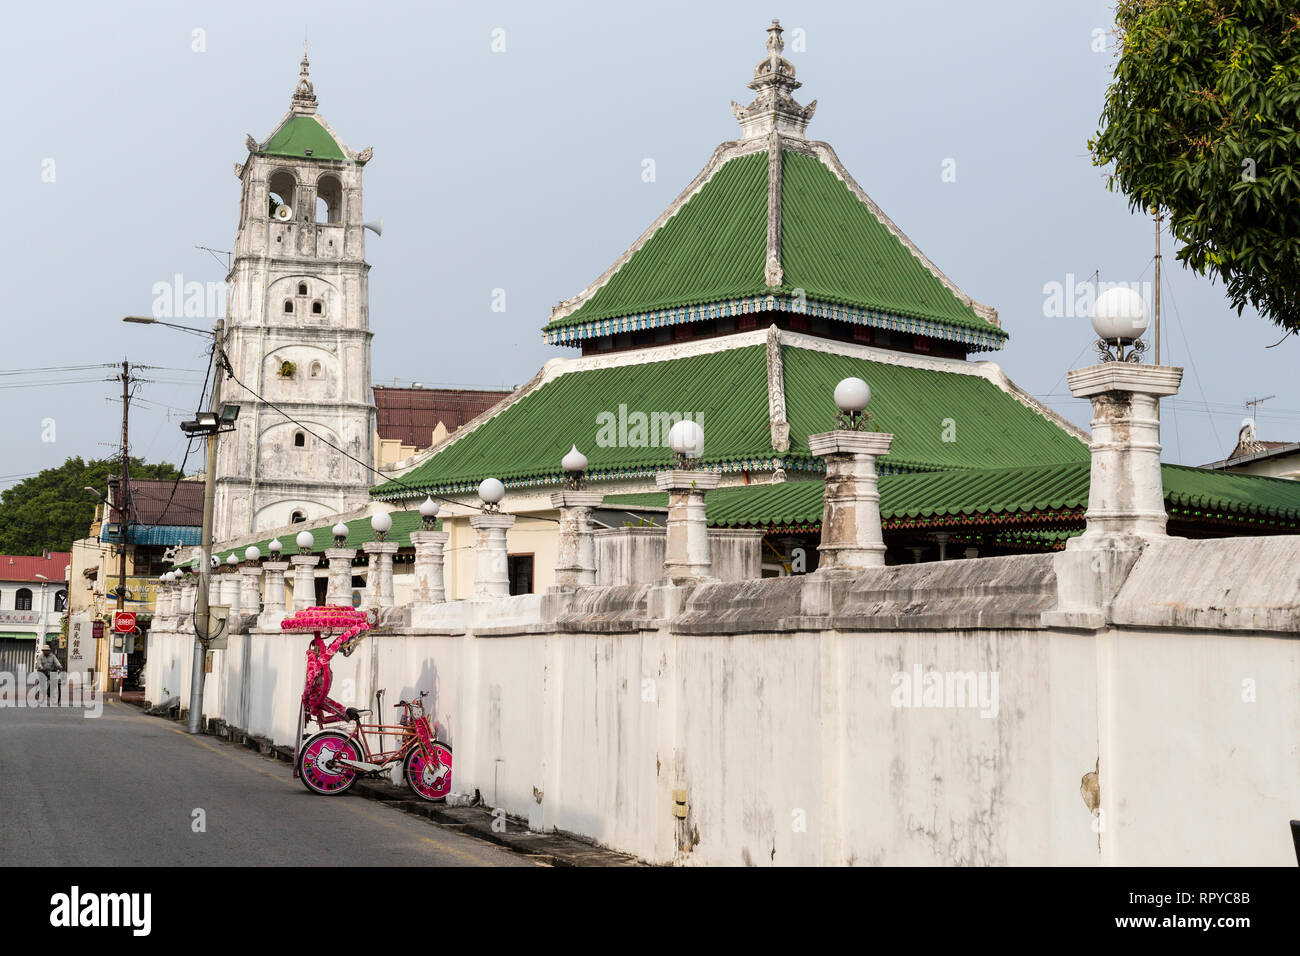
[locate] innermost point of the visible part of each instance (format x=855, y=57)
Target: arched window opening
x=288, y=305
x=318, y=307
x=23, y=599
x=297, y=518
x=299, y=440
x=302, y=288
x=280, y=191
x=61, y=601
x=329, y=200
x=315, y=370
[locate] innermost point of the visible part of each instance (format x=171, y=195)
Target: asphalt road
x=122, y=790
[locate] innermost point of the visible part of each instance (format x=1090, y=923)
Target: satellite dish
x=377, y=227
x=283, y=213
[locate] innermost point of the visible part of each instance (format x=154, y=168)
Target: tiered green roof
x=774, y=222
x=1001, y=496
x=942, y=417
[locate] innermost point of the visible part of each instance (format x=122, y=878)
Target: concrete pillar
x=430, y=584
x=491, y=570
x=851, y=536
x=166, y=601
x=379, y=580
x=273, y=611
x=687, y=559
x=304, y=581
x=189, y=593
x=230, y=591
x=575, y=564
x=1126, y=499
x=250, y=585
x=339, y=590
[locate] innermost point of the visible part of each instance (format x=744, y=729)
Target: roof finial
x=773, y=107
x=304, y=96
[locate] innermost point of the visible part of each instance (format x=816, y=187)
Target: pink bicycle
x=330, y=761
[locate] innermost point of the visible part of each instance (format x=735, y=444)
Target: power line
x=230, y=373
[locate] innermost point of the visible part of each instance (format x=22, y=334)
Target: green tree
x=52, y=509
x=1202, y=119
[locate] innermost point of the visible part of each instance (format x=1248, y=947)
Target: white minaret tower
x=298, y=330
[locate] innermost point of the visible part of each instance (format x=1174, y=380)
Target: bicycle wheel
x=430, y=777
x=316, y=766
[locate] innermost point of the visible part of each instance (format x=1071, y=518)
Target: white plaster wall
x=767, y=730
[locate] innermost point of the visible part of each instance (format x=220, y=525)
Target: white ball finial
x=428, y=508
x=275, y=547
x=852, y=395
x=305, y=540
x=340, y=530
x=381, y=522
x=686, y=438
x=575, y=462
x=491, y=491
x=1120, y=315
x=251, y=553
x=232, y=560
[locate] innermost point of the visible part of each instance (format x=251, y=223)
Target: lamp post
x=219, y=419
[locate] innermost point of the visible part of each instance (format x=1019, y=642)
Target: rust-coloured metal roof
x=411, y=414
x=25, y=567
x=154, y=503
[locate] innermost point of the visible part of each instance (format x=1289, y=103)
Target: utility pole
x=123, y=496
x=202, y=616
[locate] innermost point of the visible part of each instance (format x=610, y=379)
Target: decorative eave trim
x=978, y=340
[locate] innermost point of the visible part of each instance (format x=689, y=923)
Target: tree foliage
x=49, y=511
x=1202, y=119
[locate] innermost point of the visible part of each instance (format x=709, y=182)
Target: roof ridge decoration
x=303, y=101
x=776, y=412
x=773, y=273
x=773, y=108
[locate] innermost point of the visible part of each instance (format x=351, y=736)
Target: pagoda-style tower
x=298, y=331
x=774, y=231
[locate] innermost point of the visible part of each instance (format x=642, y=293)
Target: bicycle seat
x=354, y=714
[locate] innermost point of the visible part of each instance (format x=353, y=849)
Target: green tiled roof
x=302, y=133
x=833, y=248
x=940, y=419
x=1060, y=491
x=359, y=532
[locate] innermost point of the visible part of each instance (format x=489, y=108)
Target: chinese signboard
x=81, y=645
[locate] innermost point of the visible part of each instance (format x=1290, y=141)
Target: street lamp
x=490, y=492
x=852, y=395
x=686, y=439
x=575, y=467
x=428, y=513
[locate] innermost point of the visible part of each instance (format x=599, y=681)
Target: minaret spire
x=304, y=96
x=773, y=107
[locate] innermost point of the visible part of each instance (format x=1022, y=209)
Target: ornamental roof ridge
x=773, y=108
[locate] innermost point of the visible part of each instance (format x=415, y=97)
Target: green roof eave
x=359, y=532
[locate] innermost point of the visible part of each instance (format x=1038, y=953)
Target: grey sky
x=522, y=171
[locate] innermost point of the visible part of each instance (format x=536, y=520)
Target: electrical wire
x=231, y=375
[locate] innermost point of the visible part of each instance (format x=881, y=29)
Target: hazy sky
x=522, y=170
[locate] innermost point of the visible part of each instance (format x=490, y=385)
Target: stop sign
x=124, y=622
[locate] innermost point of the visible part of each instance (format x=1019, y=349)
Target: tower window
x=329, y=200
x=315, y=370
x=317, y=307
x=297, y=518
x=299, y=440
x=288, y=305
x=302, y=288
x=280, y=191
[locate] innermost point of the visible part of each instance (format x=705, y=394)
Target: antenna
x=1254, y=403
x=216, y=252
